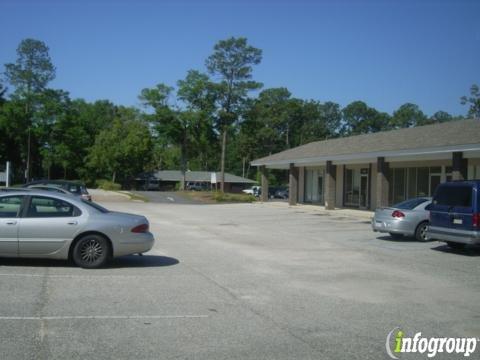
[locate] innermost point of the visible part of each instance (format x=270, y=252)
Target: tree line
x=217, y=119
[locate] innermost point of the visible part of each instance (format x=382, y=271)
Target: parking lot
x=241, y=281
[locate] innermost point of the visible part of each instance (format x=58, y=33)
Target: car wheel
x=421, y=231
x=91, y=251
x=396, y=236
x=455, y=246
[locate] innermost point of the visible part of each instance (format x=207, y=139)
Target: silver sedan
x=41, y=224
x=408, y=218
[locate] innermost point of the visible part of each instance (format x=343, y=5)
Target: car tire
x=421, y=231
x=455, y=246
x=91, y=251
x=396, y=236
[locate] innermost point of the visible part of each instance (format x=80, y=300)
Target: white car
x=43, y=224
x=254, y=190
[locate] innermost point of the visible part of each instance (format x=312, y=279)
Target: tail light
x=476, y=220
x=398, y=214
x=143, y=228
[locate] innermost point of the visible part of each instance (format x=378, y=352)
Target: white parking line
x=103, y=317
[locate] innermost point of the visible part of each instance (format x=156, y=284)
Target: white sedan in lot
x=408, y=218
x=41, y=224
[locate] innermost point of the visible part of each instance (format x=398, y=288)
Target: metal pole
x=7, y=174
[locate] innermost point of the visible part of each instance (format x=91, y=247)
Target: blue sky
x=384, y=52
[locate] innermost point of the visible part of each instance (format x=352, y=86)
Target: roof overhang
x=432, y=153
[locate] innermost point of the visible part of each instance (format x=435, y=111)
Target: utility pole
x=27, y=173
x=7, y=174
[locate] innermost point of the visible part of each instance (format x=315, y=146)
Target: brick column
x=330, y=185
x=293, y=185
x=382, y=188
x=264, y=174
x=459, y=166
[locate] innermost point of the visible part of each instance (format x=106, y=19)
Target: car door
x=10, y=209
x=441, y=207
x=461, y=213
x=47, y=225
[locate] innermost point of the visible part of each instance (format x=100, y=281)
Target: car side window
x=459, y=196
x=10, y=206
x=46, y=207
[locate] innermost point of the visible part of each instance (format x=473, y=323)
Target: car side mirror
x=428, y=207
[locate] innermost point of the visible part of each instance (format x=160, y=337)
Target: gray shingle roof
x=453, y=133
x=199, y=176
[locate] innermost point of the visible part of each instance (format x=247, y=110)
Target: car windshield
x=95, y=206
x=410, y=203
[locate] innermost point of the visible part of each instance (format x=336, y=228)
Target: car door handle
x=11, y=222
x=72, y=223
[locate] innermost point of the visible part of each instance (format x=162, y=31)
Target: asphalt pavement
x=241, y=281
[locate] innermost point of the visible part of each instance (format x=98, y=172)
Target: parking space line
x=103, y=317
x=78, y=276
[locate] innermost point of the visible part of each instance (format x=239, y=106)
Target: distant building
x=195, y=180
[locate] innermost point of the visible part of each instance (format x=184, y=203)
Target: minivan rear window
x=454, y=196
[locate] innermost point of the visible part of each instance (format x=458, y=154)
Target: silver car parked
x=408, y=218
x=41, y=224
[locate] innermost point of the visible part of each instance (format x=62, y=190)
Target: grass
x=212, y=197
x=132, y=196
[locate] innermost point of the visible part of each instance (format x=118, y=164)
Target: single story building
x=378, y=169
x=169, y=179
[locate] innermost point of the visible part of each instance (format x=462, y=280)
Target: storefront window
x=422, y=181
x=399, y=185
x=406, y=183
x=314, y=186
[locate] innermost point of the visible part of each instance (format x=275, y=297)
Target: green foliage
x=408, y=115
x=358, y=118
x=473, y=100
x=232, y=60
x=122, y=149
x=185, y=127
x=33, y=69
x=229, y=197
x=108, y=185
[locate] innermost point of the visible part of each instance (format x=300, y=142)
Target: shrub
x=227, y=197
x=108, y=185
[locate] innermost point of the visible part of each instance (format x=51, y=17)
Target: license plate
x=458, y=221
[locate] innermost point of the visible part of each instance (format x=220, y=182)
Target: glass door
x=435, y=180
x=320, y=188
x=363, y=191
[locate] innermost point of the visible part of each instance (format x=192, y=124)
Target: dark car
x=73, y=187
x=281, y=193
x=455, y=213
x=196, y=186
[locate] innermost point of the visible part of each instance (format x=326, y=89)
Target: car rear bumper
x=453, y=235
x=137, y=244
x=393, y=226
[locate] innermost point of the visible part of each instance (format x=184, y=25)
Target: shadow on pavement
x=135, y=261
x=469, y=250
x=401, y=239
x=129, y=261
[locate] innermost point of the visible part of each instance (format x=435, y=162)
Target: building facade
x=379, y=169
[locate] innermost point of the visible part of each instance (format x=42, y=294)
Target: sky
x=383, y=52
